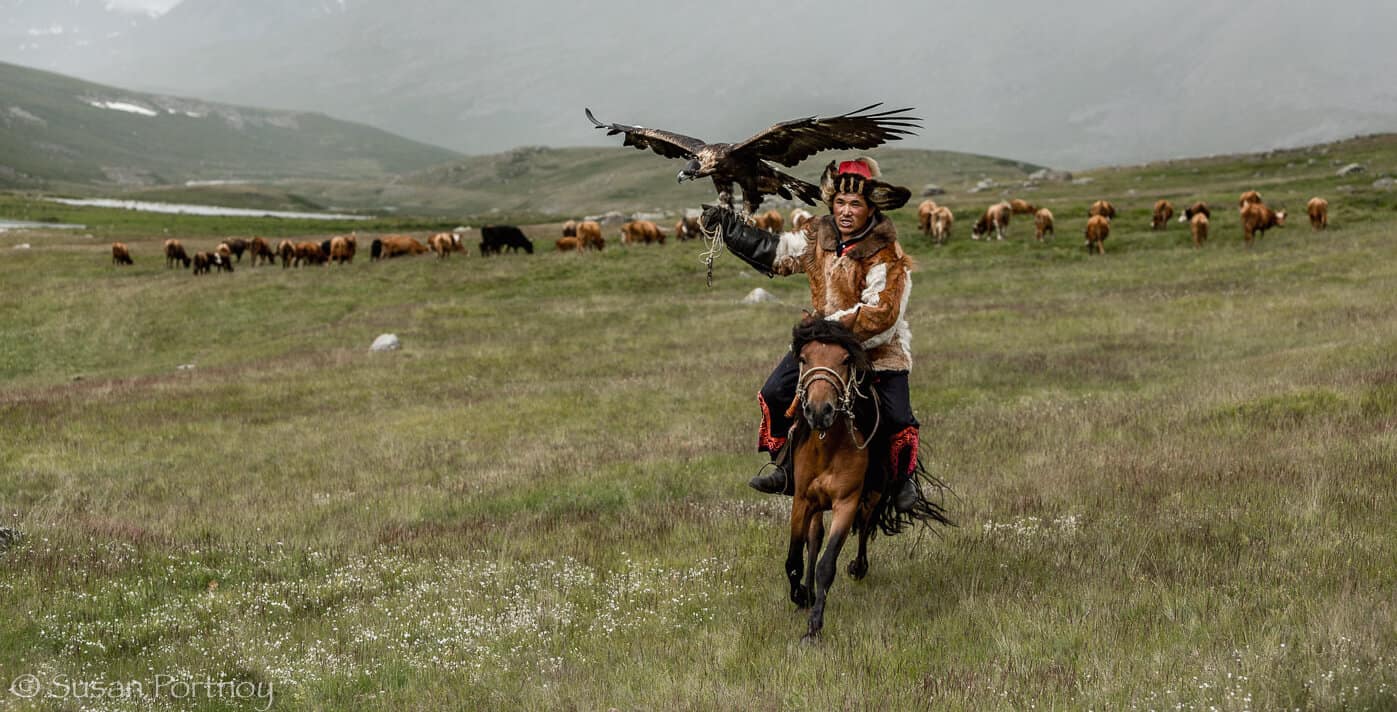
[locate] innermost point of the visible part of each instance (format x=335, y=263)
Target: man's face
x=851, y=213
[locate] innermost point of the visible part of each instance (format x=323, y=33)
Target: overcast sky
x=152, y=6
x=1072, y=84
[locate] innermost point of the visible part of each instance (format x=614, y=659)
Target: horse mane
x=815, y=328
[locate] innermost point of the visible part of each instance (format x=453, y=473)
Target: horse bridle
x=848, y=391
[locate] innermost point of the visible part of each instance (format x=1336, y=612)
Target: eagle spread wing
x=665, y=143
x=791, y=142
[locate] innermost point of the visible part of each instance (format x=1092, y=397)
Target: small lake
x=185, y=209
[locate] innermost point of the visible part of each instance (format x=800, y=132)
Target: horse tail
x=927, y=511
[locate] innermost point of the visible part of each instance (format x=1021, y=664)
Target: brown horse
x=831, y=458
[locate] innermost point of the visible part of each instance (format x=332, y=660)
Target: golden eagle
x=786, y=143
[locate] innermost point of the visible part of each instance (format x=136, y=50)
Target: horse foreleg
x=843, y=521
x=814, y=538
x=795, y=564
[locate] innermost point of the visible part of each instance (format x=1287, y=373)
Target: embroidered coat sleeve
x=794, y=250
x=887, y=285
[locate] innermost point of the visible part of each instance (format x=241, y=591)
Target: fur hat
x=861, y=176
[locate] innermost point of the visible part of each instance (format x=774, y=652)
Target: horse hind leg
x=858, y=568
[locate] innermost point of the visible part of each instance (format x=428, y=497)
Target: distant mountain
x=67, y=35
x=58, y=129
x=542, y=181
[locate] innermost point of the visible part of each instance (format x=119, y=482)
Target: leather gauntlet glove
x=752, y=245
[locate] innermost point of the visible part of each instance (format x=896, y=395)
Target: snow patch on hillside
x=121, y=106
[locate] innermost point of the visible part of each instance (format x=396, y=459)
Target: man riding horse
x=860, y=277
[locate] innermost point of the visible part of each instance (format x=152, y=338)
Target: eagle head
x=690, y=171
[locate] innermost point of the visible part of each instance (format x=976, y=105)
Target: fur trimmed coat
x=865, y=289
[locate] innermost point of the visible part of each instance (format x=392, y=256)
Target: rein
x=848, y=391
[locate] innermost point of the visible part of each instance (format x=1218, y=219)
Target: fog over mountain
x=1072, y=84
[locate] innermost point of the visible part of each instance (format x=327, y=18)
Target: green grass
x=1172, y=473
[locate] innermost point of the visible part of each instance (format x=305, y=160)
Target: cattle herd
x=339, y=249
x=934, y=221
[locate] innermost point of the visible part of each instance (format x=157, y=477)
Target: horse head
x=832, y=365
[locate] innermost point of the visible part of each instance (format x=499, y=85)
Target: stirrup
x=907, y=496
x=773, y=482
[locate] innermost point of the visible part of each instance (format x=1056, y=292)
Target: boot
x=906, y=497
x=775, y=481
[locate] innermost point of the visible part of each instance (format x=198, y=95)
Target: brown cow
x=1022, y=207
x=1248, y=198
x=1098, y=229
x=1318, y=209
x=310, y=252
x=1043, y=223
x=799, y=216
x=924, y=212
x=771, y=221
x=1197, y=208
x=568, y=244
x=1102, y=208
x=394, y=245
x=996, y=217
x=642, y=231
x=688, y=229
x=174, y=252
x=287, y=250
x=121, y=255
x=1257, y=219
x=261, y=251
x=224, y=250
x=1163, y=212
x=203, y=261
x=570, y=228
x=1198, y=225
x=343, y=247
x=589, y=234
x=237, y=245
x=941, y=222
x=444, y=243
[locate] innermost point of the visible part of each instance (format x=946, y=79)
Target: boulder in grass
x=758, y=296
x=1350, y=169
x=386, y=342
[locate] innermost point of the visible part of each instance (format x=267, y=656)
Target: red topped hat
x=857, y=167
x=861, y=176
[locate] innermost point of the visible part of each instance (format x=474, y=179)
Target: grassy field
x=1173, y=472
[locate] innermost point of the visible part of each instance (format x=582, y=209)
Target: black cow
x=325, y=248
x=376, y=249
x=494, y=237
x=237, y=246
